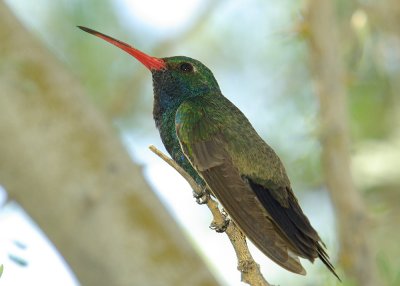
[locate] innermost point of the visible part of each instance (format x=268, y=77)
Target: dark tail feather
x=325, y=259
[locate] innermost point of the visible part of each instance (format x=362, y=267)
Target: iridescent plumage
x=215, y=143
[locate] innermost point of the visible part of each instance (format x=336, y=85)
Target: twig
x=250, y=270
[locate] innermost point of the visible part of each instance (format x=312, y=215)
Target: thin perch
x=249, y=269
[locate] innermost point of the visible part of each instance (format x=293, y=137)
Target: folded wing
x=203, y=142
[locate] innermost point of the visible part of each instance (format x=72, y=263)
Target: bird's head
x=174, y=78
x=182, y=77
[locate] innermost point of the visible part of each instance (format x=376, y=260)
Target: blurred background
x=318, y=79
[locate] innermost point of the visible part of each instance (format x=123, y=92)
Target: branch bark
x=249, y=269
x=356, y=254
x=63, y=163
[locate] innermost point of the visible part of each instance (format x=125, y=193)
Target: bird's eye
x=186, y=67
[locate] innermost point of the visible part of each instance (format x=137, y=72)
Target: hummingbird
x=214, y=142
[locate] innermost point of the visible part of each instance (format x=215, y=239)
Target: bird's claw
x=202, y=197
x=220, y=227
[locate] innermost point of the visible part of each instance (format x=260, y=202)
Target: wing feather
x=245, y=209
x=208, y=155
x=251, y=183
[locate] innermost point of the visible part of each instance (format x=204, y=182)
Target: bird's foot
x=202, y=197
x=246, y=266
x=221, y=227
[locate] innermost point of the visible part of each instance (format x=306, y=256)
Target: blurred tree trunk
x=356, y=255
x=64, y=164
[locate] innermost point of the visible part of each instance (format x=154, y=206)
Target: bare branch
x=249, y=269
